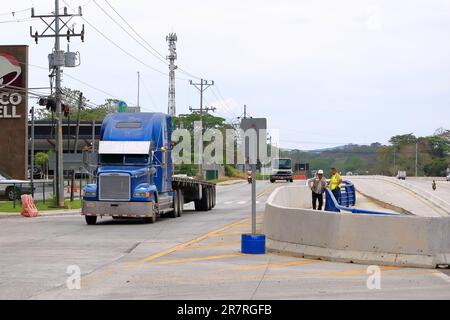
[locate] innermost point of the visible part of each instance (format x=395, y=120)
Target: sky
x=323, y=72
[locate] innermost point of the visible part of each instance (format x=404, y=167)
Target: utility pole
x=417, y=149
x=32, y=151
x=394, y=161
x=58, y=59
x=172, y=40
x=138, y=88
x=77, y=133
x=202, y=86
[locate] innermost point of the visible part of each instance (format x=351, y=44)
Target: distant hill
x=352, y=157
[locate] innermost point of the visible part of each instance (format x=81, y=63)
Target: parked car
x=448, y=177
x=7, y=187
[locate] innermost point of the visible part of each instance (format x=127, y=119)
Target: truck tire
x=210, y=198
x=91, y=220
x=205, y=200
x=198, y=205
x=151, y=219
x=272, y=180
x=214, y=196
x=181, y=202
x=176, y=205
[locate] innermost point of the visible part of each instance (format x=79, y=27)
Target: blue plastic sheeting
x=347, y=201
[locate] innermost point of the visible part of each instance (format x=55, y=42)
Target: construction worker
x=335, y=184
x=433, y=185
x=318, y=186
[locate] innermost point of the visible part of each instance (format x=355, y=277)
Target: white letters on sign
x=8, y=105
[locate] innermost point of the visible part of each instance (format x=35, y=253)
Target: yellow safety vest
x=334, y=181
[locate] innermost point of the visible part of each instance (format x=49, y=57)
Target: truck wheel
x=210, y=198
x=204, y=201
x=198, y=205
x=181, y=203
x=214, y=196
x=272, y=180
x=176, y=205
x=292, y=180
x=151, y=219
x=91, y=220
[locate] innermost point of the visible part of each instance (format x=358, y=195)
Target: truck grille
x=114, y=186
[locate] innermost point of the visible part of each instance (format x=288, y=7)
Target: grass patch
x=8, y=206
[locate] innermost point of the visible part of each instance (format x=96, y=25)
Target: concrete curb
x=42, y=213
x=230, y=182
x=361, y=238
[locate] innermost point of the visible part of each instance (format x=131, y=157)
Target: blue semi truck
x=135, y=172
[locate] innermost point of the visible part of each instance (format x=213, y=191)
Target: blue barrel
x=253, y=244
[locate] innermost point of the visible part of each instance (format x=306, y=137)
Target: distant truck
x=281, y=170
x=134, y=178
x=401, y=175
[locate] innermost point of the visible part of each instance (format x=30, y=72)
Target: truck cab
x=134, y=177
x=281, y=170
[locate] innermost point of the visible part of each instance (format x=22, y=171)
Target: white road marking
x=441, y=275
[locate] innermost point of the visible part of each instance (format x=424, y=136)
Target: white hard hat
x=320, y=172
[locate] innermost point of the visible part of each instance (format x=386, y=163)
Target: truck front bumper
x=118, y=209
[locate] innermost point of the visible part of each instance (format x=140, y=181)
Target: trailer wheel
x=211, y=198
x=91, y=220
x=176, y=205
x=214, y=196
x=198, y=205
x=181, y=203
x=204, y=201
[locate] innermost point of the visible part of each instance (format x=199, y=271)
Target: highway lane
x=196, y=256
x=399, y=196
x=442, y=187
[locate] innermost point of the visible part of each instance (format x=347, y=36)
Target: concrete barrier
x=292, y=227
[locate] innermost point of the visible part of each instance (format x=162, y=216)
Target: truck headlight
x=141, y=194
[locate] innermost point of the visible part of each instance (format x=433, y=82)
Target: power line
x=118, y=46
x=157, y=54
x=128, y=33
x=13, y=13
x=16, y=20
x=161, y=57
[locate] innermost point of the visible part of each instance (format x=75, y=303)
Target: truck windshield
x=282, y=163
x=124, y=159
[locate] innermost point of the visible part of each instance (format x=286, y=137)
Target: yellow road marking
x=226, y=234
x=193, y=241
x=356, y=272
x=211, y=245
x=182, y=245
x=199, y=259
x=273, y=265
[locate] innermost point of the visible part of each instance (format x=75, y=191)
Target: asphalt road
x=399, y=196
x=196, y=256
